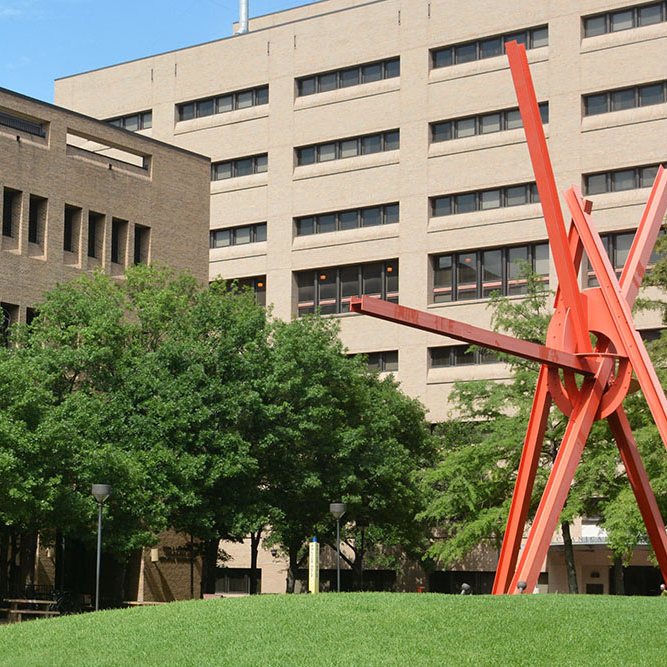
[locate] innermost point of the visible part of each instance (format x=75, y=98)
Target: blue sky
x=42, y=40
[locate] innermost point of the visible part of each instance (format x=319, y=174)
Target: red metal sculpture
x=604, y=311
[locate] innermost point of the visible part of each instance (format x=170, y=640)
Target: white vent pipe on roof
x=243, y=17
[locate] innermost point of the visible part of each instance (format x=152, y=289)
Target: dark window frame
x=254, y=232
x=636, y=90
x=385, y=361
x=455, y=353
x=258, y=99
x=607, y=16
x=144, y=120
x=341, y=304
x=504, y=122
x=506, y=285
x=256, y=166
x=527, y=33
x=314, y=79
x=609, y=178
x=338, y=147
x=532, y=197
x=338, y=224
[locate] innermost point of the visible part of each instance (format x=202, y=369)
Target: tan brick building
x=375, y=147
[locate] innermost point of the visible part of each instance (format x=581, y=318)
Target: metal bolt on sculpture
x=607, y=368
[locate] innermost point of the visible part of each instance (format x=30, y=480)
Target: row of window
x=331, y=289
x=465, y=202
x=483, y=200
x=72, y=222
x=370, y=216
x=620, y=179
x=625, y=98
x=221, y=238
x=242, y=166
x=625, y=19
x=241, y=99
x=488, y=47
x=133, y=122
x=477, y=274
x=462, y=276
x=458, y=355
x=350, y=76
x=487, y=123
x=351, y=147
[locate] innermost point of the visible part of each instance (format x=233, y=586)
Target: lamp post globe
x=338, y=509
x=100, y=492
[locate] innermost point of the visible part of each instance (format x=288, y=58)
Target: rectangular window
x=478, y=274
x=243, y=166
x=119, y=241
x=95, y=234
x=350, y=147
x=36, y=219
x=620, y=179
x=71, y=228
x=625, y=98
x=487, y=123
x=458, y=355
x=371, y=216
x=257, y=284
x=625, y=19
x=330, y=289
x=381, y=362
x=133, y=122
x=10, y=316
x=618, y=247
x=470, y=202
x=221, y=238
x=142, y=237
x=240, y=99
x=488, y=47
x=353, y=76
x=11, y=211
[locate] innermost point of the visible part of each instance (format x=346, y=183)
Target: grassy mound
x=352, y=629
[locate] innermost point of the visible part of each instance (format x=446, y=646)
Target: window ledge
x=345, y=94
x=484, y=218
x=609, y=200
x=623, y=118
x=611, y=40
x=479, y=142
x=450, y=374
x=235, y=251
x=240, y=183
x=495, y=64
x=346, y=164
x=219, y=119
x=345, y=237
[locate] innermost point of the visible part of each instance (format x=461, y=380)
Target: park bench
x=18, y=609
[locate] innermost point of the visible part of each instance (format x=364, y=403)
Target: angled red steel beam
x=645, y=238
x=546, y=186
x=638, y=478
x=523, y=489
x=530, y=456
x=560, y=479
x=418, y=319
x=620, y=311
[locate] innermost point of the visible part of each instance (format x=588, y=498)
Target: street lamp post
x=100, y=492
x=337, y=509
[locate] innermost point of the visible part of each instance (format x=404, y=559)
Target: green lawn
x=353, y=629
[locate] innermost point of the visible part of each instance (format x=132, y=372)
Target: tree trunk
x=14, y=565
x=569, y=558
x=292, y=569
x=254, y=547
x=209, y=565
x=28, y=549
x=4, y=559
x=619, y=579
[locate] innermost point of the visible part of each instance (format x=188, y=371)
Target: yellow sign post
x=314, y=566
